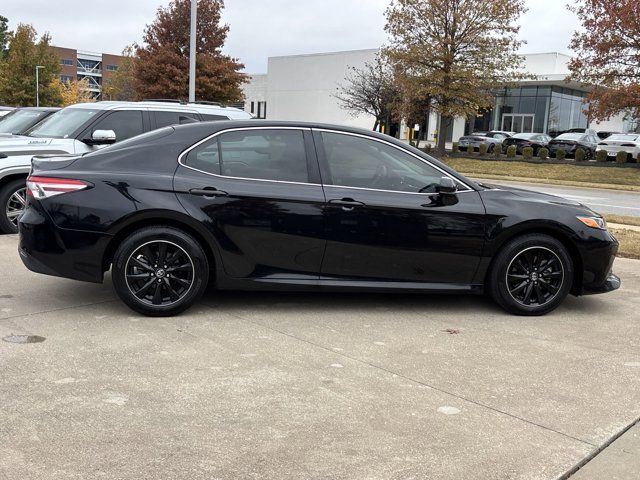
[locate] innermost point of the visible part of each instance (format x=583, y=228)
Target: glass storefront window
x=554, y=108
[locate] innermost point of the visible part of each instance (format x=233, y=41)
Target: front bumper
x=611, y=283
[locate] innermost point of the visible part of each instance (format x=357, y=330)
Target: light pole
x=38, y=67
x=192, y=52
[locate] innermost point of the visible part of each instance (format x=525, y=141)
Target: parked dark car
x=492, y=139
x=21, y=120
x=523, y=140
x=283, y=205
x=570, y=142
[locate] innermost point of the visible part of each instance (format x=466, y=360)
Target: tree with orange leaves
x=162, y=64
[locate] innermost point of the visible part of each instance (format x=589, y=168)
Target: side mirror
x=447, y=185
x=102, y=137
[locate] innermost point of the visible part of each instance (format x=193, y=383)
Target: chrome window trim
x=308, y=129
x=457, y=180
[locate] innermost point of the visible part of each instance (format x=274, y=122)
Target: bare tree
x=371, y=91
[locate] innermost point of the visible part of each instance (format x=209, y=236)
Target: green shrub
x=638, y=158
x=483, y=148
x=470, y=148
x=561, y=154
x=621, y=156
x=427, y=148
x=543, y=153
x=497, y=151
x=580, y=155
x=527, y=152
x=601, y=156
x=455, y=147
x=511, y=151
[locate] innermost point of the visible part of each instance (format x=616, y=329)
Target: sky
x=260, y=28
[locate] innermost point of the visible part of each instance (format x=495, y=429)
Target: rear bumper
x=50, y=250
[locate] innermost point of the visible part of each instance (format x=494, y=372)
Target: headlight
x=594, y=222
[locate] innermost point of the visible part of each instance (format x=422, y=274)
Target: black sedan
x=570, y=142
x=522, y=140
x=281, y=205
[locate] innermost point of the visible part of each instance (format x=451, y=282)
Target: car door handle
x=347, y=204
x=208, y=192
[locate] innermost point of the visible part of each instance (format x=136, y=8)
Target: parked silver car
x=493, y=140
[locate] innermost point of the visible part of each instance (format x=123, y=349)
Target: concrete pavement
x=314, y=386
x=618, y=202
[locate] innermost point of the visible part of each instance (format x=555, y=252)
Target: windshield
x=570, y=136
x=19, y=121
x=524, y=135
x=620, y=138
x=64, y=123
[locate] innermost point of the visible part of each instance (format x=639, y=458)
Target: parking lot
x=360, y=386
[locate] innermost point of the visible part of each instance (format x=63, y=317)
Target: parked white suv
x=85, y=127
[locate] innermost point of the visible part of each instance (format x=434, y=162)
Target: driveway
x=314, y=386
x=601, y=200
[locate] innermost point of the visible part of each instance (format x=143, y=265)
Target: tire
x=10, y=195
x=491, y=148
x=514, y=274
x=138, y=276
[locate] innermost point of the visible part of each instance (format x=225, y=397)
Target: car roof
x=39, y=109
x=166, y=105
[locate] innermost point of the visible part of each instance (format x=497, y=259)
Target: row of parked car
x=586, y=139
x=79, y=129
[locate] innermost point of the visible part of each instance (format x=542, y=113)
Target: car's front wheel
x=13, y=198
x=531, y=275
x=160, y=271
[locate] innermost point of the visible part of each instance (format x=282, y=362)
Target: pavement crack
x=410, y=379
x=572, y=471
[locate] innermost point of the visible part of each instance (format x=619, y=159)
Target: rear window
x=524, y=135
x=571, y=136
x=624, y=138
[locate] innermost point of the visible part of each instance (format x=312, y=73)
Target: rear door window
x=270, y=154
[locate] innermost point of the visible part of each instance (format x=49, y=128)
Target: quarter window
x=258, y=154
x=205, y=157
x=363, y=163
x=164, y=119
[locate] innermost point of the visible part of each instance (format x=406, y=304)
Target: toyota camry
x=281, y=205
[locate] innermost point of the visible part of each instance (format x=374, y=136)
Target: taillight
x=46, y=187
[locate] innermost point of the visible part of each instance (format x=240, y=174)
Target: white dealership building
x=303, y=88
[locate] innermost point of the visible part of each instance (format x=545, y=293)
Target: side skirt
x=304, y=283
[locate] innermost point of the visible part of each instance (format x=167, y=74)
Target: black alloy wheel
x=531, y=275
x=160, y=271
x=535, y=276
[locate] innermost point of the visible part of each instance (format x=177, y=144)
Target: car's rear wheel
x=531, y=275
x=160, y=271
x=13, y=198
